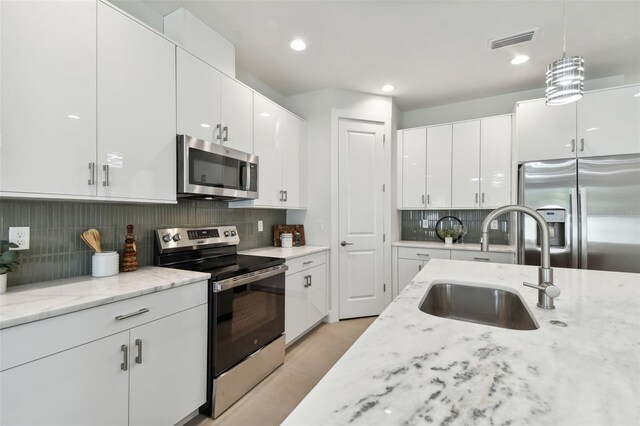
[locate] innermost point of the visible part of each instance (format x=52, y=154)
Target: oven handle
x=248, y=278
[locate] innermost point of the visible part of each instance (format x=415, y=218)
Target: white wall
x=322, y=109
x=493, y=105
x=260, y=86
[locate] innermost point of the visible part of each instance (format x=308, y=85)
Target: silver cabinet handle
x=309, y=262
x=422, y=254
x=132, y=314
x=483, y=197
x=419, y=267
x=286, y=196
x=125, y=358
x=581, y=144
x=219, y=129
x=423, y=199
x=476, y=198
x=281, y=196
x=225, y=129
x=92, y=173
x=307, y=281
x=105, y=168
x=573, y=145
x=344, y=243
x=428, y=199
x=139, y=356
x=482, y=259
x=310, y=280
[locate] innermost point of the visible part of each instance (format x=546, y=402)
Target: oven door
x=248, y=313
x=210, y=170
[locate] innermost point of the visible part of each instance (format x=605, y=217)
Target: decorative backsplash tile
x=56, y=250
x=412, y=229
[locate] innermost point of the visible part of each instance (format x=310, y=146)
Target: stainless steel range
x=246, y=308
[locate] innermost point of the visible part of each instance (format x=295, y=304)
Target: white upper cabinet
x=293, y=153
x=48, y=84
x=198, y=90
x=609, y=122
x=465, y=190
x=439, y=166
x=236, y=115
x=212, y=106
x=495, y=161
x=136, y=110
x=604, y=122
x=414, y=160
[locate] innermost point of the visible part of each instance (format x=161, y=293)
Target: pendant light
x=565, y=77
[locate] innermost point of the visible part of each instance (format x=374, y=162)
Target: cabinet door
x=439, y=166
x=487, y=257
x=84, y=385
x=465, y=186
x=48, y=84
x=168, y=360
x=414, y=164
x=295, y=306
x=316, y=294
x=609, y=122
x=495, y=161
x=198, y=94
x=136, y=110
x=236, y=115
x=267, y=139
x=293, y=179
x=407, y=269
x=545, y=132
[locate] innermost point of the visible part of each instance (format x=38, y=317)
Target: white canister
x=105, y=264
x=286, y=240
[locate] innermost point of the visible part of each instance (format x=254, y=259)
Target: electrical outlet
x=425, y=223
x=20, y=236
x=260, y=226
x=494, y=224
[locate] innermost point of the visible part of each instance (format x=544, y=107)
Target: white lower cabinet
x=150, y=369
x=407, y=269
x=479, y=256
x=305, y=294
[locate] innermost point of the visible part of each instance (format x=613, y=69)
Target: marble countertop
x=285, y=253
x=413, y=368
x=32, y=302
x=497, y=248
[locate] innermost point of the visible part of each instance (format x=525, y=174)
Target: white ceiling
x=434, y=52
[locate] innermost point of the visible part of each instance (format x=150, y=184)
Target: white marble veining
x=412, y=368
x=285, y=253
x=32, y=302
x=498, y=248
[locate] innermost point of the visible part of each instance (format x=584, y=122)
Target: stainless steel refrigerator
x=592, y=208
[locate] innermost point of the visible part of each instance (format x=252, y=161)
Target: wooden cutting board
x=284, y=229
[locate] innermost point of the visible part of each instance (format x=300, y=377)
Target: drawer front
x=27, y=342
x=423, y=254
x=481, y=256
x=305, y=262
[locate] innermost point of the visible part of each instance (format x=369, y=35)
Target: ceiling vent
x=512, y=39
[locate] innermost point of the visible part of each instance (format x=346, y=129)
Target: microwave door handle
x=244, y=176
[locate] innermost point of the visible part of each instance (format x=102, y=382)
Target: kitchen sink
x=481, y=305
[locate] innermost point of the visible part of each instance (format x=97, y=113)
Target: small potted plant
x=448, y=235
x=8, y=259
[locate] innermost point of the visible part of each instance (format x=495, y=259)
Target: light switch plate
x=20, y=235
x=494, y=224
x=260, y=226
x=425, y=223
x=320, y=226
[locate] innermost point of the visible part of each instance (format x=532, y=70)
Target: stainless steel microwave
x=208, y=170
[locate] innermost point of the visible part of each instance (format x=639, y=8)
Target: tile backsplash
x=412, y=221
x=56, y=250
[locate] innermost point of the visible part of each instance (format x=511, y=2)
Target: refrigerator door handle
x=582, y=196
x=573, y=202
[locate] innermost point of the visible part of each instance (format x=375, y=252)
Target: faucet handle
x=548, y=288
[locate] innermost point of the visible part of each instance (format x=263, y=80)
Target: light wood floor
x=306, y=362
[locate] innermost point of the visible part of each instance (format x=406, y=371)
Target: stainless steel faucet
x=546, y=290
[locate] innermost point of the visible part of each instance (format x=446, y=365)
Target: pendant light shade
x=565, y=80
x=565, y=77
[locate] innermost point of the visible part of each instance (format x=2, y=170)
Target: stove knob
x=166, y=238
x=177, y=238
x=233, y=233
x=226, y=234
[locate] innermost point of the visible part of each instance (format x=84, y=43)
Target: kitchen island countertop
x=413, y=368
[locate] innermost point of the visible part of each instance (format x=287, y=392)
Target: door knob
x=344, y=243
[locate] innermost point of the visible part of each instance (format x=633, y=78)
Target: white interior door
x=361, y=218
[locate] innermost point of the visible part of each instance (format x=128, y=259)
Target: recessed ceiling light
x=388, y=88
x=520, y=59
x=297, y=44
